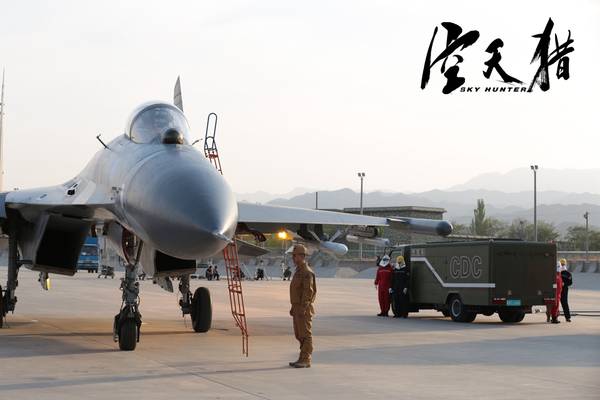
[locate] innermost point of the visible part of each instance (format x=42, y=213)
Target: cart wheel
x=458, y=313
x=511, y=316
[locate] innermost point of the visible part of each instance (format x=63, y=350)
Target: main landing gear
x=127, y=323
x=8, y=300
x=199, y=305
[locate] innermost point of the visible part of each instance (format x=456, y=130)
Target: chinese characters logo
x=449, y=60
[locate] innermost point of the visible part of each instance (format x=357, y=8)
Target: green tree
x=522, y=229
x=546, y=232
x=485, y=226
x=576, y=236
x=479, y=225
x=496, y=227
x=517, y=229
x=460, y=229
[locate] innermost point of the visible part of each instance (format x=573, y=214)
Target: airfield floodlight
x=361, y=175
x=587, y=236
x=534, y=168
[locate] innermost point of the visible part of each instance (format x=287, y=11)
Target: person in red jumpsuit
x=555, y=306
x=383, y=283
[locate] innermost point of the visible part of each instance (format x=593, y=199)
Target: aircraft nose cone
x=182, y=206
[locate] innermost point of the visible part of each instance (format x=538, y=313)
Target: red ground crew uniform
x=555, y=306
x=383, y=281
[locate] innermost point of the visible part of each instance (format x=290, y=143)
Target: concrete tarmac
x=59, y=345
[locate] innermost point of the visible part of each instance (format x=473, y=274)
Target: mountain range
x=521, y=179
x=560, y=207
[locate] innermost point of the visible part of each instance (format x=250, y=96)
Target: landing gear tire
x=126, y=328
x=511, y=316
x=201, y=310
x=458, y=313
x=445, y=313
x=128, y=334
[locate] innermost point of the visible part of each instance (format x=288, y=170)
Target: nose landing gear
x=127, y=323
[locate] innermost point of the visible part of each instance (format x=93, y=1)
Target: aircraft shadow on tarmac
x=102, y=333
x=575, y=351
x=20, y=346
x=49, y=383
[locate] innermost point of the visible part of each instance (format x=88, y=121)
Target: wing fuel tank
x=420, y=225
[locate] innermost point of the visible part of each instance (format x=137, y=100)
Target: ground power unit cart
x=463, y=279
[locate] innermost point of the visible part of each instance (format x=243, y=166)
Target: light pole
x=522, y=229
x=587, y=236
x=534, y=168
x=361, y=175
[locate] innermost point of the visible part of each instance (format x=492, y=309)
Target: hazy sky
x=308, y=93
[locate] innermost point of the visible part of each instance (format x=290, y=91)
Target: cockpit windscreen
x=151, y=122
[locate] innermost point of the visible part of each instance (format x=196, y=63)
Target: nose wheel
x=126, y=329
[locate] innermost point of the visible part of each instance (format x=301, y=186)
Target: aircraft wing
x=78, y=198
x=269, y=218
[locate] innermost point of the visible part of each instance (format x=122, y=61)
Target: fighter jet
x=161, y=204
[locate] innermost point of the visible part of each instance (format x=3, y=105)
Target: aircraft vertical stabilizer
x=177, y=99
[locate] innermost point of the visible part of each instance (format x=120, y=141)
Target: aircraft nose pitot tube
x=177, y=202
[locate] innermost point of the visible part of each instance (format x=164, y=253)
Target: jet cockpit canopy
x=155, y=121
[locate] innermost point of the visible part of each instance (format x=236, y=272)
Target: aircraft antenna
x=230, y=252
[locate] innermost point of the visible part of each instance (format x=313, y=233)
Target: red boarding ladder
x=230, y=252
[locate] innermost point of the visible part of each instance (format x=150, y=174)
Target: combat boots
x=302, y=363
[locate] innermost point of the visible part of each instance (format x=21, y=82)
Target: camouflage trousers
x=303, y=333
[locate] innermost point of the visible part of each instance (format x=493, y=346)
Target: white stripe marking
x=452, y=285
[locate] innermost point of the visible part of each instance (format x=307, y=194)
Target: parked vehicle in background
x=89, y=259
x=463, y=279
